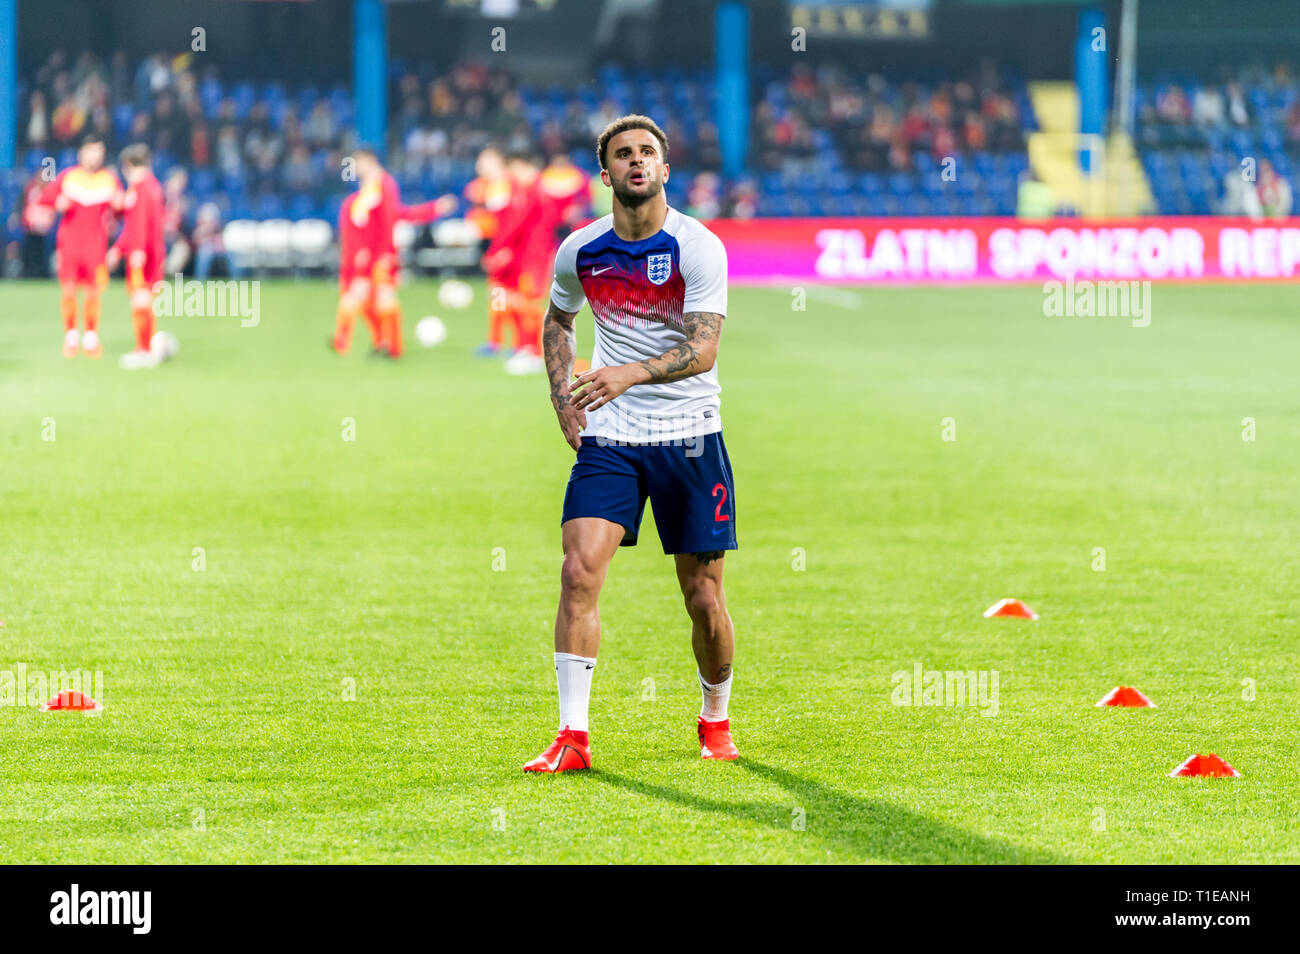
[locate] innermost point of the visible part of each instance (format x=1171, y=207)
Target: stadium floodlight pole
x=1122, y=115
x=1126, y=68
x=8, y=82
x=370, y=72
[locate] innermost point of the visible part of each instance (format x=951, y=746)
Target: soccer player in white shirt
x=645, y=424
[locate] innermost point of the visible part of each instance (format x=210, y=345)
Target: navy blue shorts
x=689, y=486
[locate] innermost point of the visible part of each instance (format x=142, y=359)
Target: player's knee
x=579, y=578
x=703, y=599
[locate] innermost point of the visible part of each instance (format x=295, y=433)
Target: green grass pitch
x=419, y=564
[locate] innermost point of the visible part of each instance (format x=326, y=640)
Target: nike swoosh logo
x=719, y=530
x=600, y=271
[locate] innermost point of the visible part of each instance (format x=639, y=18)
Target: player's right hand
x=572, y=421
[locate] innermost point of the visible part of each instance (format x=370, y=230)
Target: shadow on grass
x=866, y=829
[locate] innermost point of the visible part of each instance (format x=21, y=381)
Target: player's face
x=634, y=168
x=489, y=164
x=523, y=173
x=91, y=156
x=367, y=168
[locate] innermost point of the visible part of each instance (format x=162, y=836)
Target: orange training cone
x=72, y=701
x=1010, y=608
x=1126, y=696
x=1205, y=766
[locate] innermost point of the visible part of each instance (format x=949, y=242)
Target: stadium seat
x=273, y=244
x=302, y=207
x=240, y=240
x=310, y=244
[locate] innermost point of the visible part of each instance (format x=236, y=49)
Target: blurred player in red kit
x=369, y=262
x=569, y=187
x=488, y=195
x=141, y=246
x=519, y=259
x=84, y=195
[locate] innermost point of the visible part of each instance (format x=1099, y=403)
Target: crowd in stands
x=823, y=140
x=831, y=141
x=877, y=126
x=224, y=150
x=1223, y=144
x=442, y=120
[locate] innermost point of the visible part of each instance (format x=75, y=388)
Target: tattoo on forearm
x=559, y=342
x=694, y=355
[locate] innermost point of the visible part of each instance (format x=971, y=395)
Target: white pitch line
x=835, y=296
x=827, y=294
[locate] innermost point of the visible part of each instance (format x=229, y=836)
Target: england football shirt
x=638, y=292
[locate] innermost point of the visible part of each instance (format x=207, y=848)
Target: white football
x=164, y=345
x=455, y=293
x=430, y=331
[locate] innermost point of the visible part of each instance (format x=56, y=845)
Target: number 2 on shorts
x=718, y=515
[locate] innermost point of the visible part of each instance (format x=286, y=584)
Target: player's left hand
x=599, y=386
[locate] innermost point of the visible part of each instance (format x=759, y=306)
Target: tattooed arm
x=559, y=342
x=693, y=356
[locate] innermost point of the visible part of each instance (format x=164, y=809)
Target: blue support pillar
x=8, y=82
x=370, y=71
x=1091, y=75
x=731, y=56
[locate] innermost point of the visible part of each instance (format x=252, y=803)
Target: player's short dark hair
x=364, y=150
x=622, y=125
x=136, y=154
x=91, y=138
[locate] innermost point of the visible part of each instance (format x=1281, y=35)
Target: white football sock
x=573, y=673
x=714, y=705
x=90, y=340
x=71, y=337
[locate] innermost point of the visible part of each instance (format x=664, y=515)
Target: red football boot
x=570, y=751
x=715, y=740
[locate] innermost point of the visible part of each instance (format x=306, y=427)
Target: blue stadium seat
x=917, y=205
x=900, y=184
x=858, y=205
x=203, y=182
x=302, y=207
x=123, y=114
x=268, y=206
x=968, y=183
